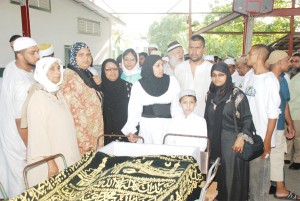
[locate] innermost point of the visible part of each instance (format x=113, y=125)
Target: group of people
x=48, y=110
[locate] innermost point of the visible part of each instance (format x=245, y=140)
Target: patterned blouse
x=86, y=107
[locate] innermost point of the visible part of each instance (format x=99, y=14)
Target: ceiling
x=283, y=43
x=155, y=6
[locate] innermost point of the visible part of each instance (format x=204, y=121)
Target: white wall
x=58, y=28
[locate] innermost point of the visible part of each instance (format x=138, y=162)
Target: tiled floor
x=292, y=182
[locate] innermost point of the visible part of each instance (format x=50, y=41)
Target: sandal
x=290, y=196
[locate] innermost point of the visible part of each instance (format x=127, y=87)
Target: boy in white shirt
x=188, y=123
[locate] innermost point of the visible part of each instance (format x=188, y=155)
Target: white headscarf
x=136, y=69
x=40, y=73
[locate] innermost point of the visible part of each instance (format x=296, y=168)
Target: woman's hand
x=238, y=145
x=97, y=79
x=132, y=137
x=52, y=168
x=87, y=146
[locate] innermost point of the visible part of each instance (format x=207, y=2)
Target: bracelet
x=246, y=137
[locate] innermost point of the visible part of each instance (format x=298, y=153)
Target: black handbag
x=251, y=150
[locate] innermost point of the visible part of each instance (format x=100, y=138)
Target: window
x=67, y=49
x=44, y=5
x=88, y=27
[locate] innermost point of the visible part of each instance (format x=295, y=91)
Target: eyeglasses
x=218, y=75
x=111, y=69
x=294, y=60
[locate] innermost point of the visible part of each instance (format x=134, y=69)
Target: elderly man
x=243, y=70
x=17, y=79
x=195, y=73
x=293, y=145
x=236, y=78
x=176, y=56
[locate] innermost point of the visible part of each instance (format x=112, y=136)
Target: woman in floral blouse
x=81, y=89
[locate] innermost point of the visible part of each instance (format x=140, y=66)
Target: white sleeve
x=272, y=98
x=171, y=129
x=19, y=97
x=203, y=130
x=175, y=106
x=135, y=109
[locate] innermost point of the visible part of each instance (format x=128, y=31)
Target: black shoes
x=295, y=166
x=287, y=161
x=272, y=190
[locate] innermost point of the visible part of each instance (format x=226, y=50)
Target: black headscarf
x=85, y=74
x=221, y=93
x=217, y=96
x=115, y=105
x=154, y=86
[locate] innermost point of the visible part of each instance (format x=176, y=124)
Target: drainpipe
x=25, y=18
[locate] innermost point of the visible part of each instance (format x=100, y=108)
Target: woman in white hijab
x=50, y=123
x=131, y=70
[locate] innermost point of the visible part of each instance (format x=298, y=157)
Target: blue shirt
x=285, y=97
x=131, y=79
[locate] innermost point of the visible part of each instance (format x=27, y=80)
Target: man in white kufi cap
x=175, y=55
x=46, y=50
x=152, y=47
x=209, y=58
x=17, y=78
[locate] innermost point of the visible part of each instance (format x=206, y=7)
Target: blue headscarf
x=85, y=74
x=74, y=50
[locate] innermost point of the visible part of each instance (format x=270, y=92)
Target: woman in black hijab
x=224, y=103
x=116, y=96
x=153, y=102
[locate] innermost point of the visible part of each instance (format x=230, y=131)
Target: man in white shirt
x=236, y=78
x=17, y=79
x=176, y=56
x=152, y=47
x=262, y=91
x=195, y=73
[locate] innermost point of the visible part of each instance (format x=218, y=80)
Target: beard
x=30, y=63
x=195, y=60
x=174, y=61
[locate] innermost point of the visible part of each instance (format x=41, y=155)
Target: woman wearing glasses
x=115, y=101
x=130, y=66
x=224, y=103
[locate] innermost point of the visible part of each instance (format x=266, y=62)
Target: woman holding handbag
x=225, y=103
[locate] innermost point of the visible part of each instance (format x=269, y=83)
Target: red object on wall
x=25, y=18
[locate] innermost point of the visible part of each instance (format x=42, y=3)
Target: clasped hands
x=132, y=137
x=238, y=145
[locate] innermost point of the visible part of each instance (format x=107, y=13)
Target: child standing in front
x=188, y=123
